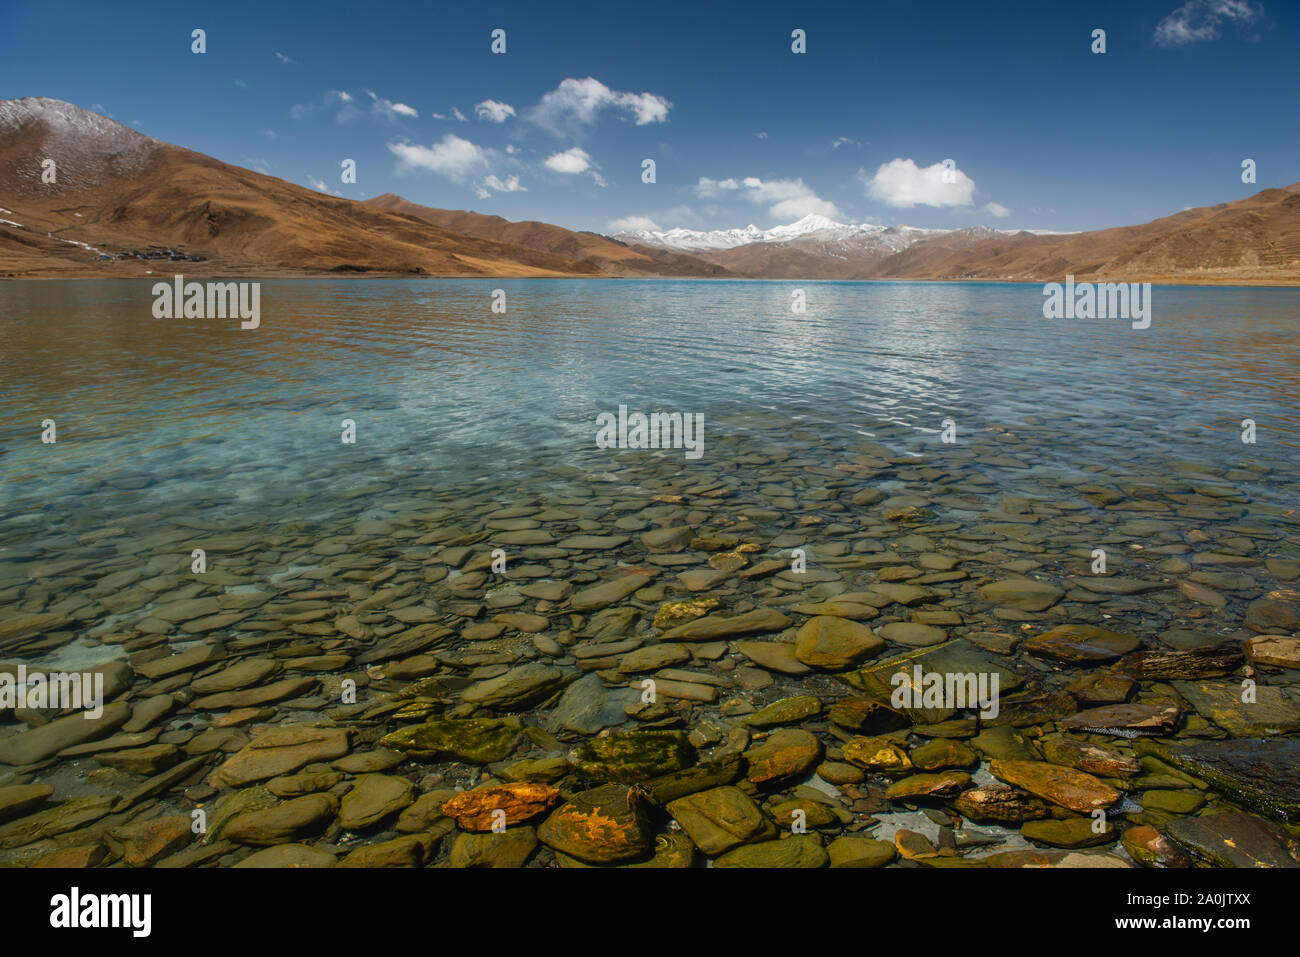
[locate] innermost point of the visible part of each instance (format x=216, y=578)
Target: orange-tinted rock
x=1067, y=787
x=1089, y=757
x=479, y=809
x=600, y=826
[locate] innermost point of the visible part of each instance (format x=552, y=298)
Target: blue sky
x=1042, y=132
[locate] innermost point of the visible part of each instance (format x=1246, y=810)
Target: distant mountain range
x=122, y=202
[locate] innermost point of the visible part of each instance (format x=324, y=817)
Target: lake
x=936, y=459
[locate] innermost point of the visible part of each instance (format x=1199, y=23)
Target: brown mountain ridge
x=119, y=192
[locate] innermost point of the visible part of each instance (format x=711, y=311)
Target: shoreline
x=303, y=275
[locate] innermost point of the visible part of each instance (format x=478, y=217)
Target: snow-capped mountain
x=814, y=227
x=692, y=240
x=815, y=247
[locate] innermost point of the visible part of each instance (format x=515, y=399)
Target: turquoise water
x=160, y=414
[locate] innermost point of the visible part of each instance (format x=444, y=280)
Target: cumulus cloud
x=786, y=199
x=575, y=104
x=902, y=183
x=1200, y=20
x=573, y=160
x=630, y=223
x=455, y=158
x=509, y=185
x=997, y=209
x=494, y=111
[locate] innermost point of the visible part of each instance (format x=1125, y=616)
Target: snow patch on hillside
x=87, y=148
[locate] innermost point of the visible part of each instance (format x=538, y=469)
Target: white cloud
x=494, y=111
x=283, y=59
x=459, y=115
x=271, y=134
x=347, y=109
x=387, y=107
x=241, y=84
x=320, y=186
x=786, y=199
x=761, y=136
x=509, y=185
x=1199, y=20
x=573, y=160
x=996, y=209
x=902, y=183
x=576, y=103
x=840, y=141
x=629, y=223
x=453, y=157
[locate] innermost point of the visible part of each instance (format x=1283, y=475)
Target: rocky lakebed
x=632, y=662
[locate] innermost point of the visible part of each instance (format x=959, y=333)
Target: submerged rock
x=518, y=688
x=835, y=643
x=999, y=804
x=1263, y=775
x=601, y=826
x=1235, y=840
x=633, y=756
x=783, y=755
x=1064, y=786
x=279, y=751
x=478, y=740
x=1081, y=644
x=721, y=818
x=1022, y=593
x=796, y=851
x=482, y=808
